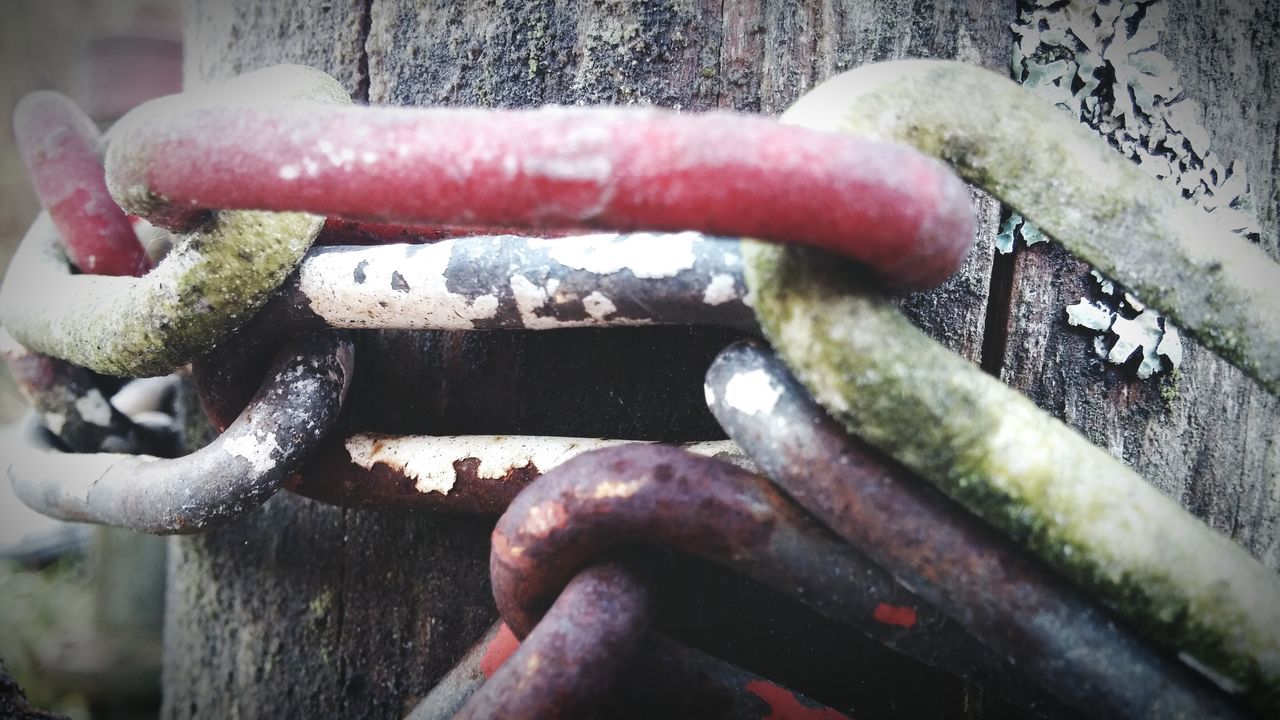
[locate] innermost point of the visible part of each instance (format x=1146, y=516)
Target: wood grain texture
x=1209, y=437
x=226, y=38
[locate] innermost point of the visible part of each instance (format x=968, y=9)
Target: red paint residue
x=784, y=705
x=895, y=615
x=500, y=648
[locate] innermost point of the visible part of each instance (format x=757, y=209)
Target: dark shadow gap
x=995, y=331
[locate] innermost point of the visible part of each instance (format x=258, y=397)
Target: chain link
x=855, y=530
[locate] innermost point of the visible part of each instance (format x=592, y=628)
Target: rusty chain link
x=1074, y=602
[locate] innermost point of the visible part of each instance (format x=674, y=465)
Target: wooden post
x=304, y=610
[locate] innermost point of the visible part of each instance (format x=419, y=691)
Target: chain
x=979, y=536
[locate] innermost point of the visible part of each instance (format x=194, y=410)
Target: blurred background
x=80, y=608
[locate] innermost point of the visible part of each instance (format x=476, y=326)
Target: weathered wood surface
x=1210, y=438
x=310, y=611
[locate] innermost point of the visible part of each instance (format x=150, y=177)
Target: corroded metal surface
x=574, y=655
x=657, y=494
x=458, y=474
x=61, y=149
x=213, y=280
x=272, y=146
x=214, y=486
x=515, y=283
x=607, y=168
x=1046, y=627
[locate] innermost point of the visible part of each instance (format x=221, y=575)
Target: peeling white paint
x=720, y=290
x=94, y=408
x=256, y=450
x=428, y=460
x=597, y=305
x=646, y=255
x=326, y=280
x=529, y=299
x=752, y=392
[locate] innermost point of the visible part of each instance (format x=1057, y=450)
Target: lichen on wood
x=1102, y=208
x=1099, y=63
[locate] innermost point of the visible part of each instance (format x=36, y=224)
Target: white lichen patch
x=94, y=408
x=1016, y=226
x=1121, y=332
x=400, y=289
x=720, y=290
x=1098, y=62
x=1089, y=315
x=259, y=451
x=646, y=255
x=752, y=392
x=429, y=461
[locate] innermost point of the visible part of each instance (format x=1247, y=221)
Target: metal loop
x=215, y=278
x=575, y=654
x=658, y=494
x=508, y=282
x=214, y=486
x=964, y=567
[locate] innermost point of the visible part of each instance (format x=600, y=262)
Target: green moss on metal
x=1100, y=206
x=210, y=283
x=989, y=447
x=213, y=280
